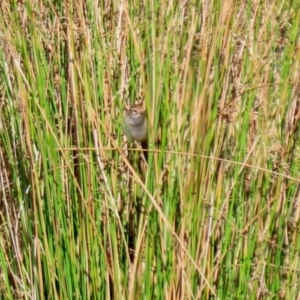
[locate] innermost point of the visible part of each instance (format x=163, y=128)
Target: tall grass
x=214, y=214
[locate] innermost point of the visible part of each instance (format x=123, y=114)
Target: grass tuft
x=214, y=213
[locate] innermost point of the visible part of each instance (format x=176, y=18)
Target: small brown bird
x=135, y=125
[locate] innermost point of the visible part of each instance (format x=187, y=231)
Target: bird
x=135, y=125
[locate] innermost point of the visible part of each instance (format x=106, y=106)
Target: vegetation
x=215, y=212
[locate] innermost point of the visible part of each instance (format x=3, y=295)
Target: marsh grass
x=214, y=214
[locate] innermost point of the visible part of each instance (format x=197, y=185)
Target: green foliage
x=215, y=212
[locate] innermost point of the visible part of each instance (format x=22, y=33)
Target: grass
x=215, y=212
